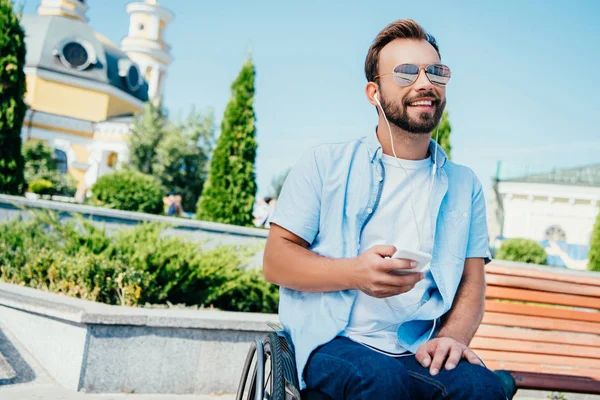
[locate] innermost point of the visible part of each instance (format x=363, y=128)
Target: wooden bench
x=542, y=325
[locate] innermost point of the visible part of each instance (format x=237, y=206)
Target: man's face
x=399, y=102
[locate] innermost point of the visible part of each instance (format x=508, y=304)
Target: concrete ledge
x=132, y=216
x=95, y=347
x=80, y=311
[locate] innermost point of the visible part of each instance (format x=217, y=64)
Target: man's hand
x=443, y=348
x=373, y=277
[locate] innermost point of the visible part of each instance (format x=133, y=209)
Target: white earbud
x=433, y=168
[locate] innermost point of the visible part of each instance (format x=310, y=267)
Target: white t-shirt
x=374, y=321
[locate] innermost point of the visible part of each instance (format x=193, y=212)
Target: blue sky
x=525, y=86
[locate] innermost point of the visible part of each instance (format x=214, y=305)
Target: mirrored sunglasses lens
x=438, y=74
x=405, y=74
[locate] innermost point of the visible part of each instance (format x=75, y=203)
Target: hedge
x=135, y=267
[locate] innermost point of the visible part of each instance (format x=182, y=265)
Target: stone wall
x=93, y=347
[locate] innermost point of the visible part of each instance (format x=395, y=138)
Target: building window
x=556, y=233
x=112, y=159
x=61, y=161
x=76, y=54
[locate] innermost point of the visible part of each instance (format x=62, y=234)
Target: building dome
x=73, y=49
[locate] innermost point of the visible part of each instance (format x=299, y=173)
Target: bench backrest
x=540, y=319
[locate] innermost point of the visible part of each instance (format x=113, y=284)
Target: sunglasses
x=407, y=74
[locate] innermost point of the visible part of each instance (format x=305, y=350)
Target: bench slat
x=540, y=311
x=542, y=359
x=553, y=369
x=566, y=276
x=521, y=346
x=505, y=332
x=544, y=323
x=495, y=292
x=543, y=285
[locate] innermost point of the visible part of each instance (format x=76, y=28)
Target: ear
x=370, y=90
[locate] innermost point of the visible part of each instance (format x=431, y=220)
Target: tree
x=182, y=157
x=228, y=195
x=148, y=131
x=594, y=254
x=40, y=165
x=12, y=105
x=176, y=154
x=444, y=131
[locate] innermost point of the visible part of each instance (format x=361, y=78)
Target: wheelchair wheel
x=269, y=371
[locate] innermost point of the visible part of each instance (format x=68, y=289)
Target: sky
x=524, y=89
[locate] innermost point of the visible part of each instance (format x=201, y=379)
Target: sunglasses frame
x=421, y=68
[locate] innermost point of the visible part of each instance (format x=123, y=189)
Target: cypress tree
x=444, y=134
x=228, y=195
x=12, y=105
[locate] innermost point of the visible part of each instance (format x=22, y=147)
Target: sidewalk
x=53, y=392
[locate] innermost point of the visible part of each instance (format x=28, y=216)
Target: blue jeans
x=344, y=369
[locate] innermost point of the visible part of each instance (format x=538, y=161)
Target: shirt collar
x=374, y=149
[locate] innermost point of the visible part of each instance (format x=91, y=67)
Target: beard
x=424, y=123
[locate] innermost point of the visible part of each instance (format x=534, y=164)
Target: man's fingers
x=454, y=357
x=401, y=280
x=384, y=251
x=389, y=291
x=471, y=357
x=425, y=353
x=441, y=353
x=392, y=264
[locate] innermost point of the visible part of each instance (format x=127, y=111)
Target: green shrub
x=522, y=250
x=594, y=254
x=41, y=186
x=129, y=191
x=134, y=267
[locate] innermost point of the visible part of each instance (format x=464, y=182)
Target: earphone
x=433, y=169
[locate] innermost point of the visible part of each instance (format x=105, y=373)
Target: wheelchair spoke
x=267, y=382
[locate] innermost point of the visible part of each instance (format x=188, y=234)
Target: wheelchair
x=270, y=373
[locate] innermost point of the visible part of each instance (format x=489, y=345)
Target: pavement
x=54, y=392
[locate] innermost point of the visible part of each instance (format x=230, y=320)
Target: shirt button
x=369, y=210
x=380, y=178
x=465, y=215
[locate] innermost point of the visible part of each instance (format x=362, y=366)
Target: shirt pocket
x=456, y=229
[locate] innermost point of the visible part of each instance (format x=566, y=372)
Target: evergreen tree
x=12, y=105
x=228, y=195
x=444, y=134
x=594, y=254
x=147, y=133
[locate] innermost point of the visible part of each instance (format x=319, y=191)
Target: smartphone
x=420, y=257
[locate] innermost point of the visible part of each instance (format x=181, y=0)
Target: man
x=360, y=328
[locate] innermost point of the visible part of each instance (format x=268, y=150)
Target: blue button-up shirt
x=329, y=197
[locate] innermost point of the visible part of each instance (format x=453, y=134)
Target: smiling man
x=379, y=245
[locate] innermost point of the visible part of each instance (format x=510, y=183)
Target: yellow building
x=83, y=89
